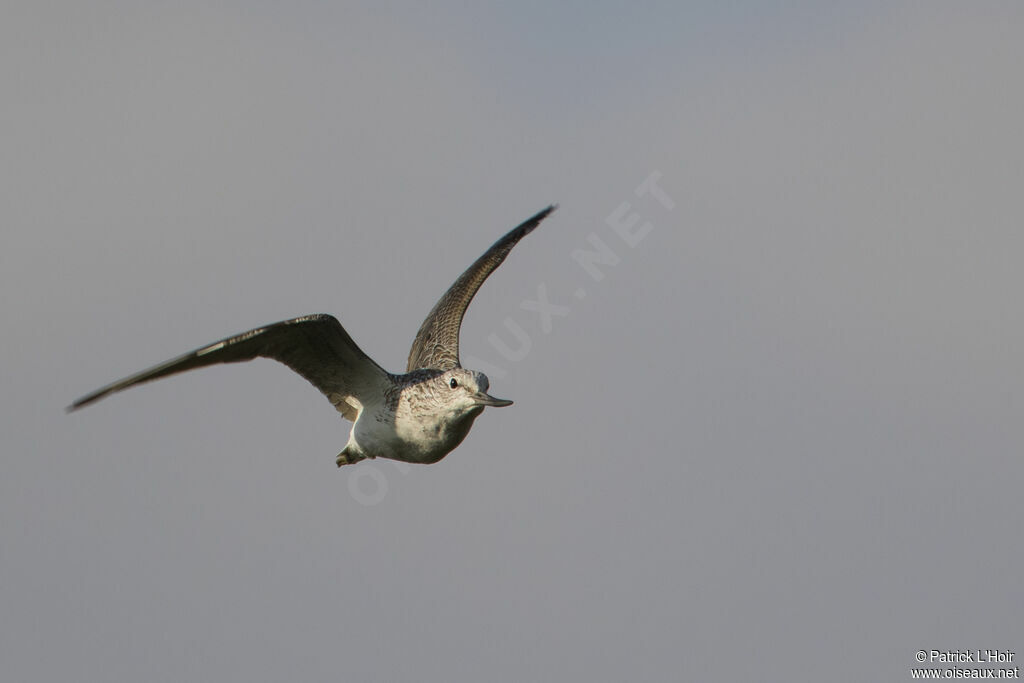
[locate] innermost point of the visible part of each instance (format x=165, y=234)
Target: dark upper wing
x=437, y=343
x=315, y=346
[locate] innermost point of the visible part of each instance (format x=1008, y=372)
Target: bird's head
x=466, y=391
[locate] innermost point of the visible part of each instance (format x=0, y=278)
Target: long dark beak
x=488, y=400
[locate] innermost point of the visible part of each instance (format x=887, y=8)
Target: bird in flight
x=419, y=416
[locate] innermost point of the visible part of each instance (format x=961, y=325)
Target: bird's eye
x=454, y=383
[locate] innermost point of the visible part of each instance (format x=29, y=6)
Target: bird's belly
x=412, y=441
x=394, y=443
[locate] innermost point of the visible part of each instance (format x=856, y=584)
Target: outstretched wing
x=315, y=346
x=437, y=343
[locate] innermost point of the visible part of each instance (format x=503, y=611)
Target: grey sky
x=780, y=439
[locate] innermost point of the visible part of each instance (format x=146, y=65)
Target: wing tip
x=82, y=402
x=533, y=221
x=544, y=213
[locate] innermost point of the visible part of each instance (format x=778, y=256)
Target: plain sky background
x=781, y=439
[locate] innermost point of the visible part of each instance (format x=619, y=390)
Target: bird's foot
x=348, y=457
